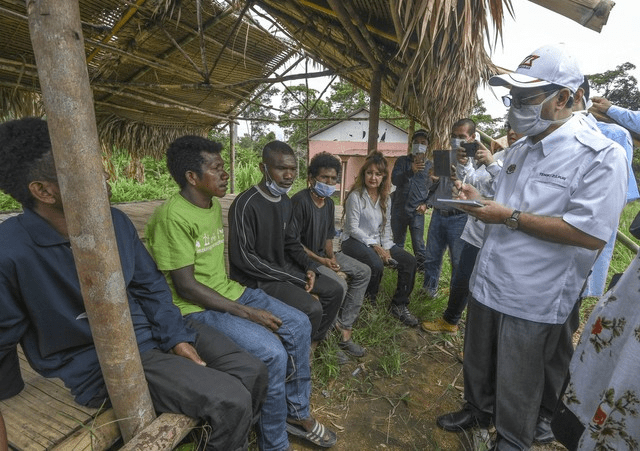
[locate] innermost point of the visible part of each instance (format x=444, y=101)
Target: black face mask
x=634, y=228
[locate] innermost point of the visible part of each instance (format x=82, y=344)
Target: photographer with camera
x=481, y=177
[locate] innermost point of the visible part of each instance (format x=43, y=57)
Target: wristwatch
x=512, y=221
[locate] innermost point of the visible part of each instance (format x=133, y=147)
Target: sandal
x=352, y=348
x=319, y=435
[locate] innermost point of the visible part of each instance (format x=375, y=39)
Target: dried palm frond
x=432, y=52
x=449, y=60
x=140, y=139
x=15, y=103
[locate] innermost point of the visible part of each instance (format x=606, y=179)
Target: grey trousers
x=227, y=394
x=515, y=370
x=354, y=289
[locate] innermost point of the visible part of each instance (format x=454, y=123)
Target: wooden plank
x=100, y=434
x=164, y=433
x=42, y=414
x=592, y=14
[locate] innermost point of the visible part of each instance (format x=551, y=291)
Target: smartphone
x=442, y=163
x=470, y=149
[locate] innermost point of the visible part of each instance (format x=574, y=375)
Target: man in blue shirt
x=191, y=369
x=597, y=280
x=411, y=178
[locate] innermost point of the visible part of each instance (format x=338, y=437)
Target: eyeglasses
x=518, y=101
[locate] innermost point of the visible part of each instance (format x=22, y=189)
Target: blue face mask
x=272, y=186
x=324, y=190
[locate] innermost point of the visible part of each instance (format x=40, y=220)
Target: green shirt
x=180, y=234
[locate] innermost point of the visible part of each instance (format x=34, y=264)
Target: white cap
x=547, y=65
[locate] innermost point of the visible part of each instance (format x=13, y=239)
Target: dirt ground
x=373, y=412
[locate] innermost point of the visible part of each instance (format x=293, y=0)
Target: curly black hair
x=323, y=160
x=25, y=156
x=184, y=154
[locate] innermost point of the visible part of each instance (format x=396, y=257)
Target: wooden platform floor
x=43, y=414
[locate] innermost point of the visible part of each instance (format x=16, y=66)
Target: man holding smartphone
x=411, y=178
x=447, y=222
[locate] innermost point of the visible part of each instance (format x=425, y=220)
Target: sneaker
x=439, y=326
x=404, y=315
x=427, y=293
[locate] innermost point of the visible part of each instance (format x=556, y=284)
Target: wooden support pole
x=412, y=128
x=232, y=155
x=58, y=46
x=627, y=242
x=374, y=110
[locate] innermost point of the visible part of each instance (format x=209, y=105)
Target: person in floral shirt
x=600, y=408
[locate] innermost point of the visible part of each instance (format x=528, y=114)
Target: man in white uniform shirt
x=557, y=201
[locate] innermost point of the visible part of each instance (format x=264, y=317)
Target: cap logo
x=527, y=63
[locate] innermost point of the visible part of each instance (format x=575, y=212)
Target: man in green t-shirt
x=186, y=238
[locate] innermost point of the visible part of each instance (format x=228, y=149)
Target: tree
x=487, y=123
x=345, y=98
x=301, y=102
x=261, y=109
x=618, y=86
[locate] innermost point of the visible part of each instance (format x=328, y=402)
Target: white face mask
x=526, y=120
x=418, y=148
x=273, y=187
x=456, y=143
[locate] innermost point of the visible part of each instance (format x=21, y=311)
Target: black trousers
x=515, y=369
x=323, y=314
x=227, y=394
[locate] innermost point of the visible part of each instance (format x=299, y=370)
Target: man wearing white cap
x=557, y=201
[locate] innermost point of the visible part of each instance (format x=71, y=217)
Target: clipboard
x=458, y=202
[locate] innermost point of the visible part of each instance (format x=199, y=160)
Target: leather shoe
x=461, y=420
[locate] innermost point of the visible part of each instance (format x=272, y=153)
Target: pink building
x=348, y=140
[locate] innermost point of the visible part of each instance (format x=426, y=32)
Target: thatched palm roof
x=431, y=53
x=153, y=75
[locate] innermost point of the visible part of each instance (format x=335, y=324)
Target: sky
x=534, y=26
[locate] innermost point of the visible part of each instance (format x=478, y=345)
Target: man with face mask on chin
x=557, y=201
x=265, y=251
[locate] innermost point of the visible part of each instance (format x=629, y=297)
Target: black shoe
x=543, y=433
x=342, y=358
x=352, y=348
x=404, y=315
x=461, y=420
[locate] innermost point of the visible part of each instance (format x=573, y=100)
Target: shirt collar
x=40, y=230
x=557, y=139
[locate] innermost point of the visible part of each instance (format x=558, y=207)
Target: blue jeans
x=286, y=355
x=406, y=269
x=444, y=232
x=354, y=289
x=399, y=223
